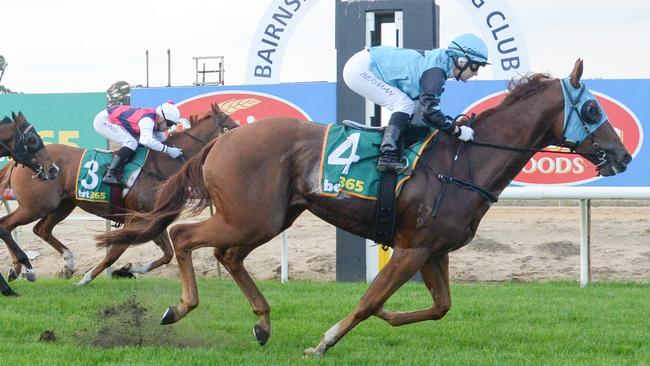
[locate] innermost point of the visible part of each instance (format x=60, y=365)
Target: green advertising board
x=59, y=118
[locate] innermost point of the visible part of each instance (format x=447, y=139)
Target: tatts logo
x=549, y=168
x=243, y=106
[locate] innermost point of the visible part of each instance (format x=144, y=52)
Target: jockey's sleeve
x=432, y=84
x=146, y=135
x=160, y=136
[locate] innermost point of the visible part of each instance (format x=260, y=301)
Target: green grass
x=489, y=324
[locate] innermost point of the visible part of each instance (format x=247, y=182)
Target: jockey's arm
x=147, y=135
x=432, y=84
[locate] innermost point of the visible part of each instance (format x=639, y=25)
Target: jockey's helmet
x=469, y=46
x=170, y=113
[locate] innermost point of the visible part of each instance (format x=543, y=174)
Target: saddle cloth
x=349, y=161
x=92, y=167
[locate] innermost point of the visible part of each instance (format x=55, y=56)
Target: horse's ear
x=576, y=74
x=13, y=115
x=6, y=120
x=215, y=108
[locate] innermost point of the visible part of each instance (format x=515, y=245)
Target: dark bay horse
x=54, y=201
x=261, y=177
x=20, y=141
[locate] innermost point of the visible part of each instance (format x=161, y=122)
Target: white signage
x=271, y=38
x=503, y=36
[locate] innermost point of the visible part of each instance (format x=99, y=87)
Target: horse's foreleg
x=165, y=244
x=5, y=289
x=400, y=268
x=435, y=274
x=43, y=229
x=111, y=256
x=233, y=259
x=18, y=257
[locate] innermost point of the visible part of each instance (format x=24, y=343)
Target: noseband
x=26, y=144
x=582, y=117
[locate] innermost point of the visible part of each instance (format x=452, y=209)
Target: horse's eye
x=31, y=141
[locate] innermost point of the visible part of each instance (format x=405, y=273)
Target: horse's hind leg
x=400, y=268
x=114, y=252
x=213, y=232
x=233, y=259
x=435, y=274
x=43, y=229
x=5, y=289
x=165, y=244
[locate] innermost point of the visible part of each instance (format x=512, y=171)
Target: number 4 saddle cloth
x=348, y=161
x=92, y=168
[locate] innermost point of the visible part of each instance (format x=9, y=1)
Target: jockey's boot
x=111, y=173
x=390, y=159
x=123, y=156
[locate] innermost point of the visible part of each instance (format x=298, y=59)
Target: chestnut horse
x=261, y=177
x=54, y=201
x=20, y=141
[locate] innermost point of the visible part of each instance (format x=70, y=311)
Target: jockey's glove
x=176, y=129
x=173, y=152
x=464, y=133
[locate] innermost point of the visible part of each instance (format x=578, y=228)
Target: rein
x=221, y=123
x=600, y=155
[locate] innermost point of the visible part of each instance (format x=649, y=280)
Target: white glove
x=466, y=133
x=173, y=152
x=179, y=128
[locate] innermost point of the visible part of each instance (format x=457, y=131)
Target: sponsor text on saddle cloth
x=349, y=161
x=92, y=167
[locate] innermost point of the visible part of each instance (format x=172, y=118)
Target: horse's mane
x=518, y=90
x=195, y=118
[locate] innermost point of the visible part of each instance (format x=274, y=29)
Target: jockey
x=395, y=77
x=130, y=126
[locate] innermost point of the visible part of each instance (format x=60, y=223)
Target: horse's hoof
x=261, y=334
x=168, y=317
x=124, y=272
x=30, y=276
x=66, y=273
x=312, y=352
x=9, y=292
x=12, y=275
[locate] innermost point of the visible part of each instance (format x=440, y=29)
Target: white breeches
x=113, y=132
x=359, y=78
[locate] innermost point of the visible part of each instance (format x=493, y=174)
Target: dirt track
x=512, y=243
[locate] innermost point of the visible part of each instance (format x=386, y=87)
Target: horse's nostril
x=53, y=172
x=627, y=159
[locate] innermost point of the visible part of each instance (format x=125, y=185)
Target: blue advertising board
x=626, y=102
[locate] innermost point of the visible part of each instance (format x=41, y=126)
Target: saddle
x=388, y=181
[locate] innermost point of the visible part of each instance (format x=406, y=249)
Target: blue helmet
x=471, y=46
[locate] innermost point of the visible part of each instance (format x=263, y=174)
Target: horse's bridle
x=26, y=144
x=588, y=128
x=221, y=122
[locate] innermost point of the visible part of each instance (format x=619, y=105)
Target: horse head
x=204, y=127
x=26, y=147
x=587, y=129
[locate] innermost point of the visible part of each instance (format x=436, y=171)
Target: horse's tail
x=170, y=201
